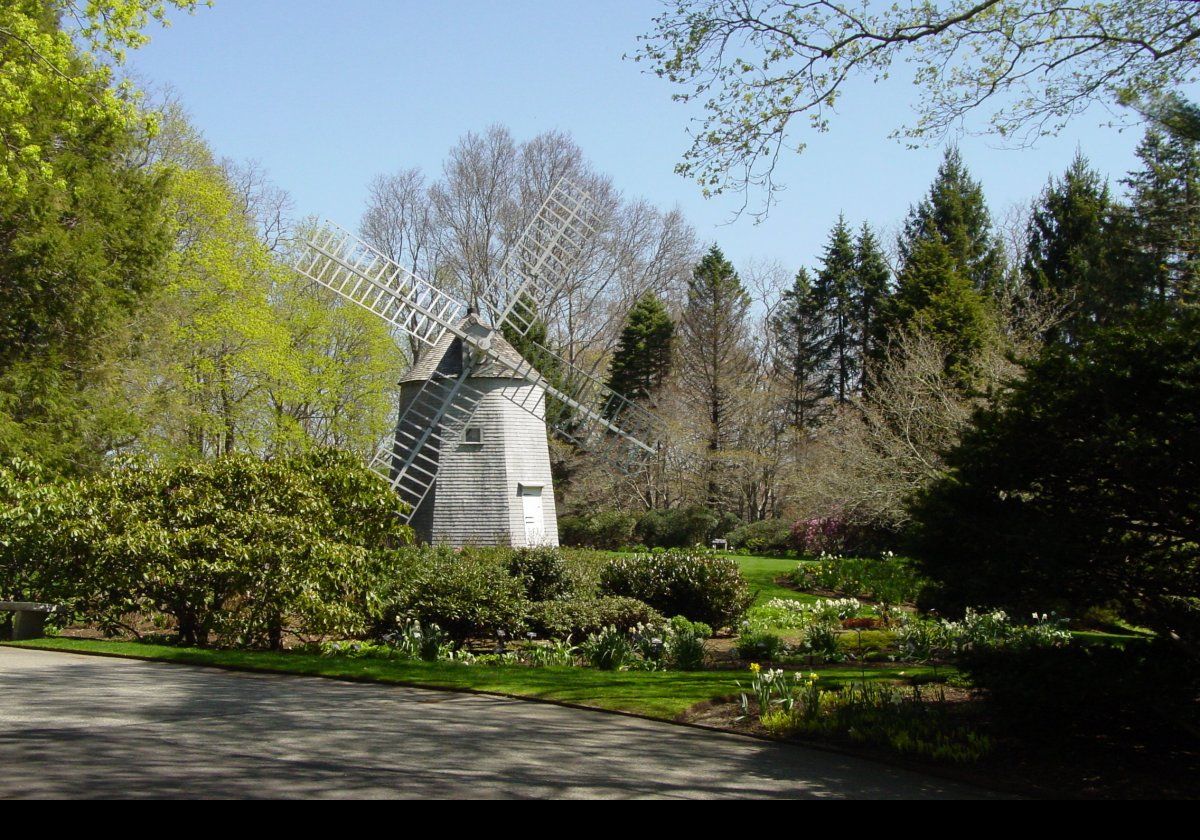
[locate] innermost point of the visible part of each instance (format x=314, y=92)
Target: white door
x=535, y=524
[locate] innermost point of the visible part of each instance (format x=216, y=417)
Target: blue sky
x=326, y=95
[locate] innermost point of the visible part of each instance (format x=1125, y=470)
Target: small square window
x=473, y=434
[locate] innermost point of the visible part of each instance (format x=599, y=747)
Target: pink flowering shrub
x=820, y=535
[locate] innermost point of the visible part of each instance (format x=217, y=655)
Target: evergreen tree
x=1165, y=208
x=1082, y=480
x=82, y=233
x=643, y=355
x=1071, y=250
x=956, y=212
x=533, y=344
x=799, y=356
x=872, y=281
x=934, y=298
x=837, y=296
x=714, y=362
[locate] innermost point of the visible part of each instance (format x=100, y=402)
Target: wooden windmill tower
x=469, y=453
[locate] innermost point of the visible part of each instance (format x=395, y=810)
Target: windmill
x=469, y=454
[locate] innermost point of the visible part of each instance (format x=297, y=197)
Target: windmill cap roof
x=446, y=356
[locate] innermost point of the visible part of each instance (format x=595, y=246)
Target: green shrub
x=609, y=650
x=762, y=537
x=1093, y=690
x=607, y=530
x=702, y=587
x=681, y=527
x=611, y=529
x=891, y=579
x=681, y=624
x=580, y=617
x=542, y=571
x=759, y=645
x=683, y=644
x=572, y=531
x=47, y=540
x=467, y=596
x=235, y=548
x=583, y=566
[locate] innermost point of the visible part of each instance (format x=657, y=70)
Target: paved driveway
x=75, y=726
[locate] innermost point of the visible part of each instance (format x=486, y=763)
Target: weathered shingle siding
x=475, y=499
x=528, y=462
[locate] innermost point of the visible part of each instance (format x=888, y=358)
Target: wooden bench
x=30, y=619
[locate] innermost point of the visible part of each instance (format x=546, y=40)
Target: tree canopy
x=1032, y=65
x=1079, y=487
x=643, y=356
x=82, y=230
x=41, y=63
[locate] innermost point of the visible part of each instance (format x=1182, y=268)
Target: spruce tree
x=837, y=296
x=533, y=345
x=872, y=281
x=1071, y=252
x=1081, y=479
x=643, y=355
x=714, y=360
x=933, y=297
x=799, y=356
x=1165, y=210
x=956, y=212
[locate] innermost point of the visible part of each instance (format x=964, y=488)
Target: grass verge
x=658, y=694
x=761, y=572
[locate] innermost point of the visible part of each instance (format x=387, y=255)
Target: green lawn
x=761, y=573
x=659, y=694
x=1101, y=637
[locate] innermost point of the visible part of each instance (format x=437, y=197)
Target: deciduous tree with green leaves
x=234, y=351
x=82, y=231
x=42, y=64
x=1032, y=66
x=213, y=344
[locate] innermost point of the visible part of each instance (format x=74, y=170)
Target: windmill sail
x=434, y=419
x=576, y=406
x=343, y=263
x=591, y=415
x=542, y=260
